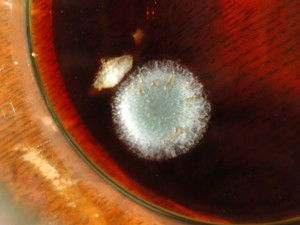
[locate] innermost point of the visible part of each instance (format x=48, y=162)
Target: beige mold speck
x=112, y=71
x=138, y=36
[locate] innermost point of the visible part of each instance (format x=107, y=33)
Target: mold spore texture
x=160, y=110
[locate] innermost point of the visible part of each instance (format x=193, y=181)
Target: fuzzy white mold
x=161, y=110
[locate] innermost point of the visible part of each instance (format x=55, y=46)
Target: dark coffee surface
x=247, y=57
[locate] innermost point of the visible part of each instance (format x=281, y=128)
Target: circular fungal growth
x=161, y=110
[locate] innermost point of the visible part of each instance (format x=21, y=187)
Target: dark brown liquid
x=246, y=168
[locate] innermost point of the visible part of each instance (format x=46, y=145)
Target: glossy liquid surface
x=246, y=167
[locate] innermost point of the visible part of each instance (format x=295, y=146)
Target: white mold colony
x=161, y=110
